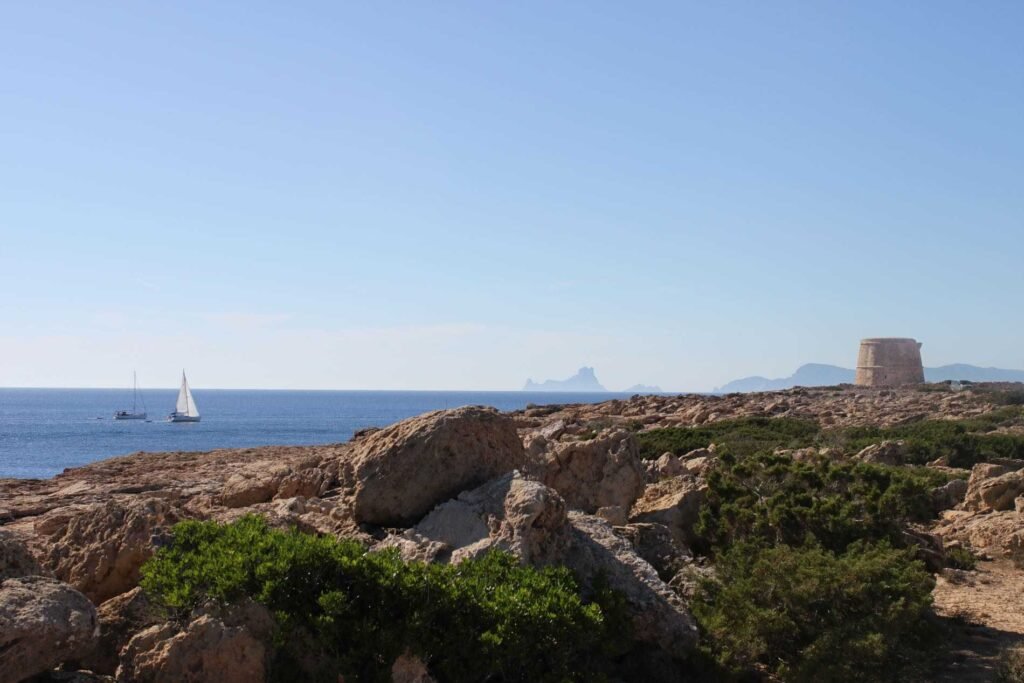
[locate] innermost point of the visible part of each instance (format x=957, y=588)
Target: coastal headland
x=649, y=499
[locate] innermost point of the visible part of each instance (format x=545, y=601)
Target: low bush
x=775, y=499
x=486, y=619
x=807, y=614
x=960, y=558
x=1010, y=668
x=961, y=442
x=744, y=436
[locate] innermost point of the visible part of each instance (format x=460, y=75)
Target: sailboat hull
x=129, y=416
x=178, y=417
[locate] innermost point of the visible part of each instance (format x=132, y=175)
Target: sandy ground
x=985, y=609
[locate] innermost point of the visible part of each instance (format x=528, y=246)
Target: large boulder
x=120, y=618
x=596, y=553
x=261, y=484
x=656, y=544
x=396, y=475
x=992, y=487
x=224, y=645
x=100, y=548
x=885, y=453
x=674, y=503
x=605, y=471
x=15, y=559
x=43, y=623
x=998, y=534
x=949, y=495
x=509, y=513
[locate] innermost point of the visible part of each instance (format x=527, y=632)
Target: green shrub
x=962, y=442
x=960, y=558
x=486, y=619
x=1010, y=668
x=775, y=499
x=807, y=614
x=744, y=436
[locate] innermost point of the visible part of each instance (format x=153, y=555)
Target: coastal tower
x=889, y=362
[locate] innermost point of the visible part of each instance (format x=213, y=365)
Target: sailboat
x=134, y=413
x=185, y=409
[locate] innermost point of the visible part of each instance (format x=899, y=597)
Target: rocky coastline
x=553, y=485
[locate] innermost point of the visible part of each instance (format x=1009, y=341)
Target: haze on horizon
x=464, y=196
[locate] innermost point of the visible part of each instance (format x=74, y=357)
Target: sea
x=44, y=431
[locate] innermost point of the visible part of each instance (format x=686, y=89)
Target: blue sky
x=463, y=195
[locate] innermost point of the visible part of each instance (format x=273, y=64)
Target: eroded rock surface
x=604, y=471
x=43, y=622
x=658, y=614
x=99, y=549
x=674, y=503
x=396, y=475
x=226, y=646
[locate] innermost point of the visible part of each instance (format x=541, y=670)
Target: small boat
x=134, y=413
x=185, y=409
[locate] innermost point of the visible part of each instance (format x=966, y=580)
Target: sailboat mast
x=135, y=390
x=184, y=385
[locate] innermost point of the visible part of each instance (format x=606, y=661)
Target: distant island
x=585, y=380
x=820, y=375
x=644, y=389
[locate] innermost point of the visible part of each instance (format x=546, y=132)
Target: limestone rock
x=120, y=618
x=15, y=558
x=657, y=614
x=656, y=544
x=674, y=503
x=410, y=669
x=601, y=472
x=885, y=453
x=949, y=495
x=43, y=623
x=249, y=488
x=999, y=534
x=616, y=515
x=398, y=474
x=209, y=648
x=510, y=513
x=99, y=550
x=992, y=487
x=669, y=465
x=980, y=473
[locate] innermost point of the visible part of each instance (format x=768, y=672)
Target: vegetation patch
x=353, y=612
x=961, y=442
x=774, y=499
x=961, y=558
x=743, y=436
x=811, y=580
x=807, y=614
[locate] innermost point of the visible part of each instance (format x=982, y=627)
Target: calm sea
x=43, y=431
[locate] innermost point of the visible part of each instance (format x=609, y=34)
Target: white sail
x=186, y=405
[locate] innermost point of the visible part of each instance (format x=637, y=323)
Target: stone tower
x=889, y=362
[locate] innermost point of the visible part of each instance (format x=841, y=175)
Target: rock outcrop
x=99, y=549
x=604, y=471
x=43, y=623
x=510, y=513
x=658, y=615
x=993, y=488
x=396, y=475
x=15, y=558
x=674, y=503
x=226, y=646
x=885, y=453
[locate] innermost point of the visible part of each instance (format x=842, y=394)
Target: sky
x=462, y=195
